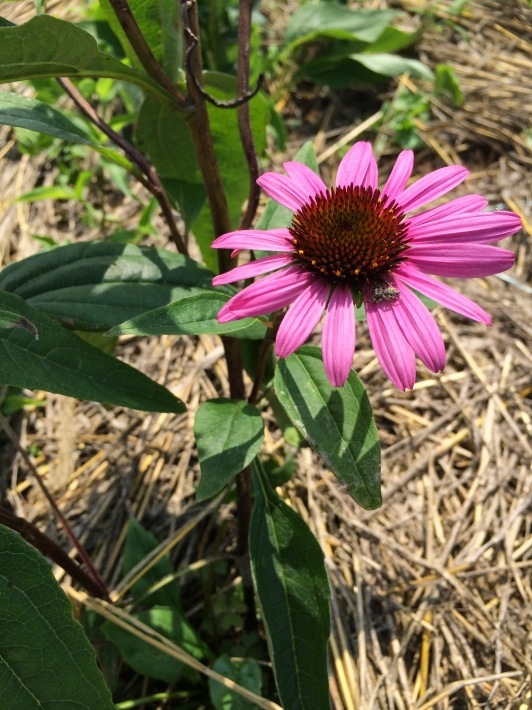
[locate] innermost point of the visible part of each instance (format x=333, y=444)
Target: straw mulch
x=432, y=594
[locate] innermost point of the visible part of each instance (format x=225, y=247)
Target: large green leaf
x=23, y=112
x=293, y=591
x=46, y=660
x=337, y=422
x=167, y=141
x=61, y=362
x=96, y=285
x=364, y=67
x=328, y=19
x=145, y=658
x=160, y=25
x=193, y=315
x=229, y=435
x=49, y=47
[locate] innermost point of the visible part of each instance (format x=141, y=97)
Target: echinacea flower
x=354, y=243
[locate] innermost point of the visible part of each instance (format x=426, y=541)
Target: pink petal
x=288, y=193
x=441, y=293
x=269, y=294
x=306, y=178
x=468, y=203
x=481, y=228
x=267, y=240
x=400, y=175
x=338, y=336
x=431, y=186
x=358, y=167
x=420, y=329
x=392, y=349
x=301, y=318
x=460, y=260
x=253, y=268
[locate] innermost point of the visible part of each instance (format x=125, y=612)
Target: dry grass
x=432, y=594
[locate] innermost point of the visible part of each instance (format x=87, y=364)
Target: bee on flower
x=354, y=243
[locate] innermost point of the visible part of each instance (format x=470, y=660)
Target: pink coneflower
x=354, y=243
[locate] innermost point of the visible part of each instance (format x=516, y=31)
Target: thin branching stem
x=148, y=175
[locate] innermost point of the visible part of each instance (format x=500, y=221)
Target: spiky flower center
x=350, y=234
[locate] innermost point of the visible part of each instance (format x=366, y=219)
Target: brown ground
x=432, y=601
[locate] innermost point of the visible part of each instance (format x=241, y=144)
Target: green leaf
x=48, y=47
x=139, y=543
x=189, y=196
x=167, y=141
x=48, y=192
x=331, y=20
x=337, y=422
x=275, y=216
x=192, y=315
x=23, y=112
x=46, y=660
x=229, y=435
x=368, y=68
x=246, y=673
x=148, y=660
x=96, y=285
x=293, y=590
x=98, y=340
x=61, y=362
x=393, y=65
x=392, y=40
x=447, y=86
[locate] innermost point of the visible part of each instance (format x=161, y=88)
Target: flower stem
x=266, y=344
x=200, y=131
x=244, y=124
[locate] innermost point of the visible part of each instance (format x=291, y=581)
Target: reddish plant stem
x=202, y=138
x=244, y=124
x=51, y=549
x=266, y=344
x=151, y=182
x=200, y=131
x=93, y=572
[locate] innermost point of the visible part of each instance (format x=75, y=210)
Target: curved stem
x=151, y=182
